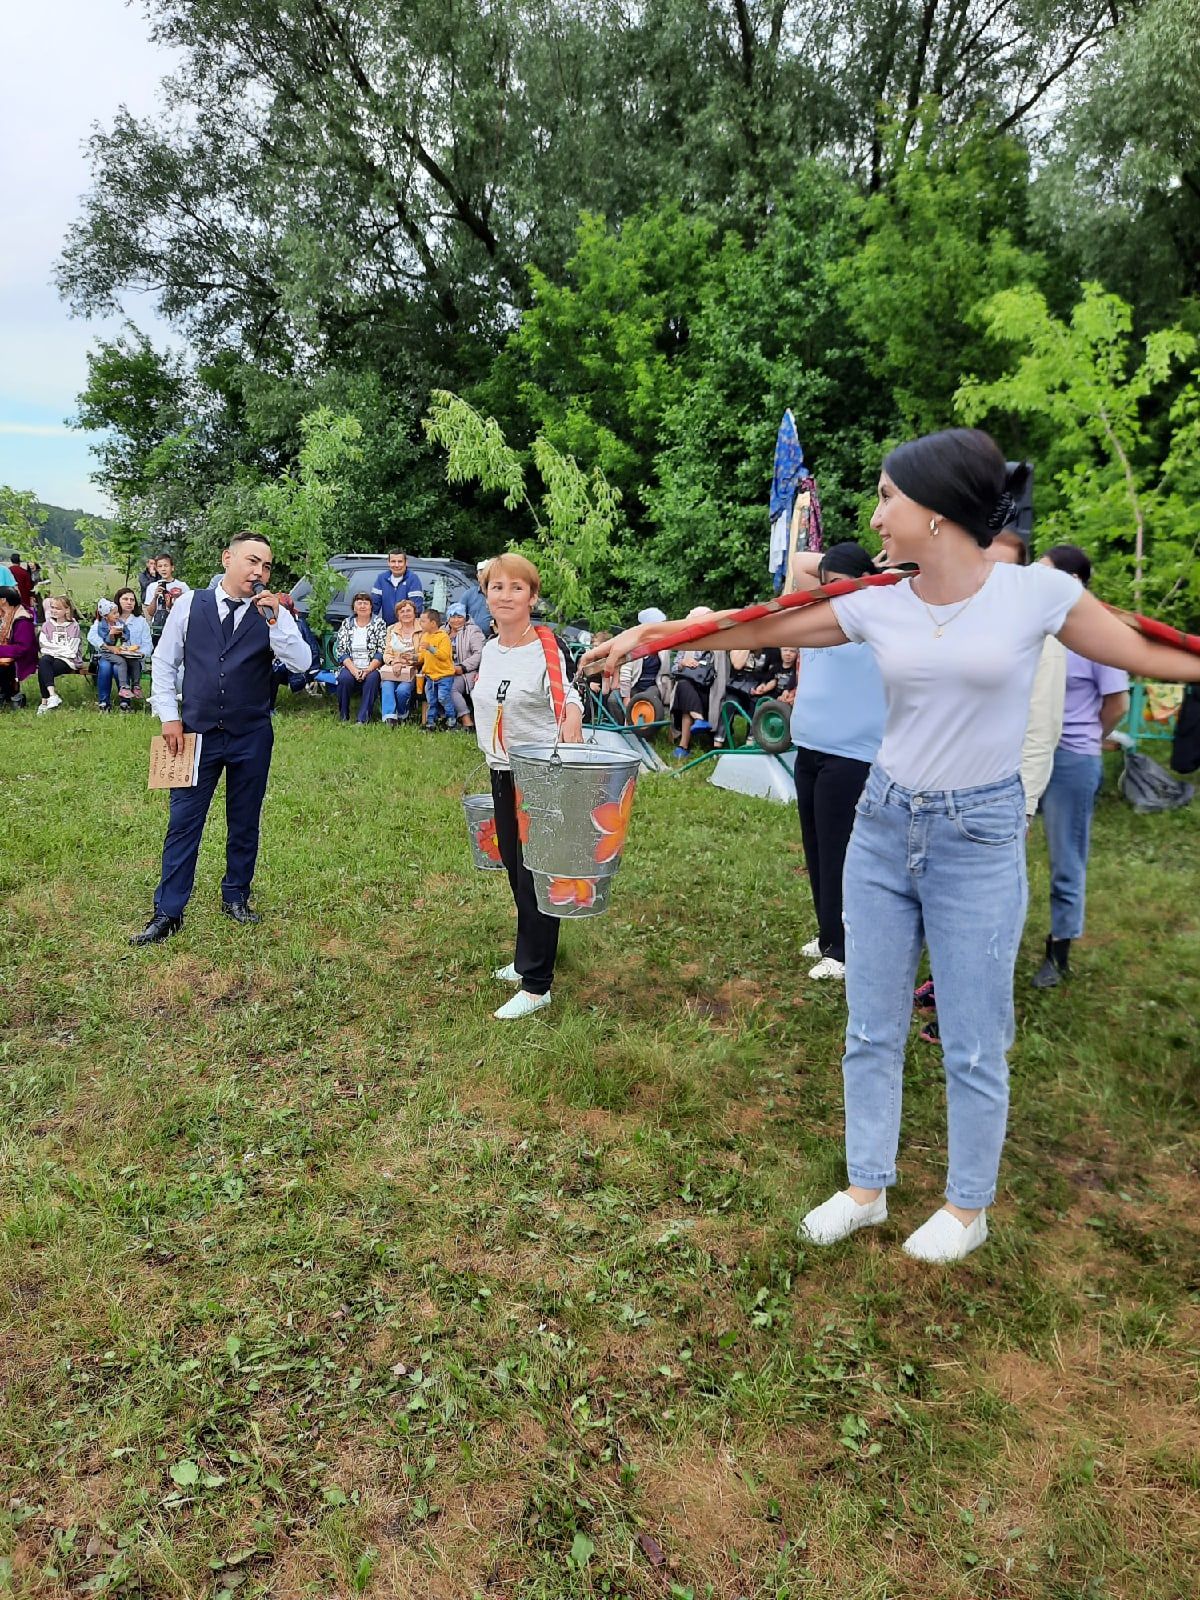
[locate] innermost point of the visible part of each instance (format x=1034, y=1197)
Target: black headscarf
x=960, y=474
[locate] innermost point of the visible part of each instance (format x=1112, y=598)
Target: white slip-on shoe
x=521, y=1005
x=840, y=1216
x=811, y=950
x=944, y=1238
x=827, y=967
x=508, y=974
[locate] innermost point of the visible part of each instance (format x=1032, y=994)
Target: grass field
x=85, y=585
x=315, y=1281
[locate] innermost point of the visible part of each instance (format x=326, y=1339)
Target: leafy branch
x=575, y=519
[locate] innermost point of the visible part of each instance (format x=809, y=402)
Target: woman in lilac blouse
x=1097, y=698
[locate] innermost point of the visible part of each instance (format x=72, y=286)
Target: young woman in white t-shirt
x=937, y=851
x=514, y=705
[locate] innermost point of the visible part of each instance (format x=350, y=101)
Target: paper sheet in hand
x=174, y=772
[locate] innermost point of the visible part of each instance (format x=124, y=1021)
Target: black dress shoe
x=240, y=912
x=157, y=929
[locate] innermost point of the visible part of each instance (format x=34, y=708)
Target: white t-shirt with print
x=957, y=705
x=360, y=653
x=511, y=699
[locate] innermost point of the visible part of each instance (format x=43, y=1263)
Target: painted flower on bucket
x=522, y=816
x=485, y=838
x=612, y=819
x=572, y=891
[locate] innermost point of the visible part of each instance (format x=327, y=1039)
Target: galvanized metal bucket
x=573, y=807
x=481, y=830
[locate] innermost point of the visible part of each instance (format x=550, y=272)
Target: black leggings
x=687, y=700
x=827, y=791
x=537, y=934
x=49, y=668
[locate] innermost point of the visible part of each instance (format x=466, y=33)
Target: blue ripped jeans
x=945, y=868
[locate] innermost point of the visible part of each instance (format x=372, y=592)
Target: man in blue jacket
x=394, y=585
x=476, y=604
x=226, y=641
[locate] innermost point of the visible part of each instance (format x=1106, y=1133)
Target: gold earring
x=933, y=526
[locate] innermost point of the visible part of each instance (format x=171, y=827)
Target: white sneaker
x=521, y=1005
x=944, y=1238
x=811, y=950
x=51, y=704
x=827, y=967
x=508, y=974
x=839, y=1217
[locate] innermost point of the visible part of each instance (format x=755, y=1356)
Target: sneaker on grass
x=840, y=1216
x=522, y=1004
x=944, y=1238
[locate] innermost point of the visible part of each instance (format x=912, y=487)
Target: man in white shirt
x=228, y=640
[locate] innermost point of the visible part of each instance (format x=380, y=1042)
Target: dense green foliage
x=637, y=235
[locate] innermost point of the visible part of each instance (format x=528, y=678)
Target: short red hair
x=513, y=566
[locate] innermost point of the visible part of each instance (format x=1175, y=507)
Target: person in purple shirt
x=18, y=647
x=1097, y=698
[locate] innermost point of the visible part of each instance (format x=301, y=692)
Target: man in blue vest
x=394, y=585
x=226, y=640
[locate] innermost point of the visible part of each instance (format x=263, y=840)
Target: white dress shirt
x=287, y=645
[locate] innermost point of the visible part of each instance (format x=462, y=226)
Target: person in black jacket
x=226, y=640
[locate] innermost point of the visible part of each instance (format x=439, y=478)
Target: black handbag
x=703, y=676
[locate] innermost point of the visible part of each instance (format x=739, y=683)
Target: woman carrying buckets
x=938, y=847
x=521, y=697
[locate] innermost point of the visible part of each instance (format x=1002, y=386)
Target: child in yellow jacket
x=435, y=661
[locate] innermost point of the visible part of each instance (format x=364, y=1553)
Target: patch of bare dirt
x=709, y=1523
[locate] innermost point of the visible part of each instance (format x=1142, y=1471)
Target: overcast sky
x=64, y=66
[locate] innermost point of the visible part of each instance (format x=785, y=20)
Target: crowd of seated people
x=46, y=638
x=414, y=668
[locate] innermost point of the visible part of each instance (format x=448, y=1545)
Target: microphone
x=270, y=612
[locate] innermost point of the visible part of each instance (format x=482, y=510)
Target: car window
x=360, y=581
x=363, y=579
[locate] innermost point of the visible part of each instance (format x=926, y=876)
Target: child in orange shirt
x=435, y=658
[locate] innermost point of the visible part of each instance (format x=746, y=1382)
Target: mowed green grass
x=316, y=1281
x=85, y=584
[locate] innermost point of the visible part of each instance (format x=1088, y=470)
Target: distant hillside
x=59, y=529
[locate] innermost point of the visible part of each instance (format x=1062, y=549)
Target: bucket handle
x=481, y=766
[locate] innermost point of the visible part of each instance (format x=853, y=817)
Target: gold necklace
x=505, y=648
x=940, y=627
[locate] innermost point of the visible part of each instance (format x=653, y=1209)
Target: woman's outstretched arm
x=1092, y=631
x=804, y=626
